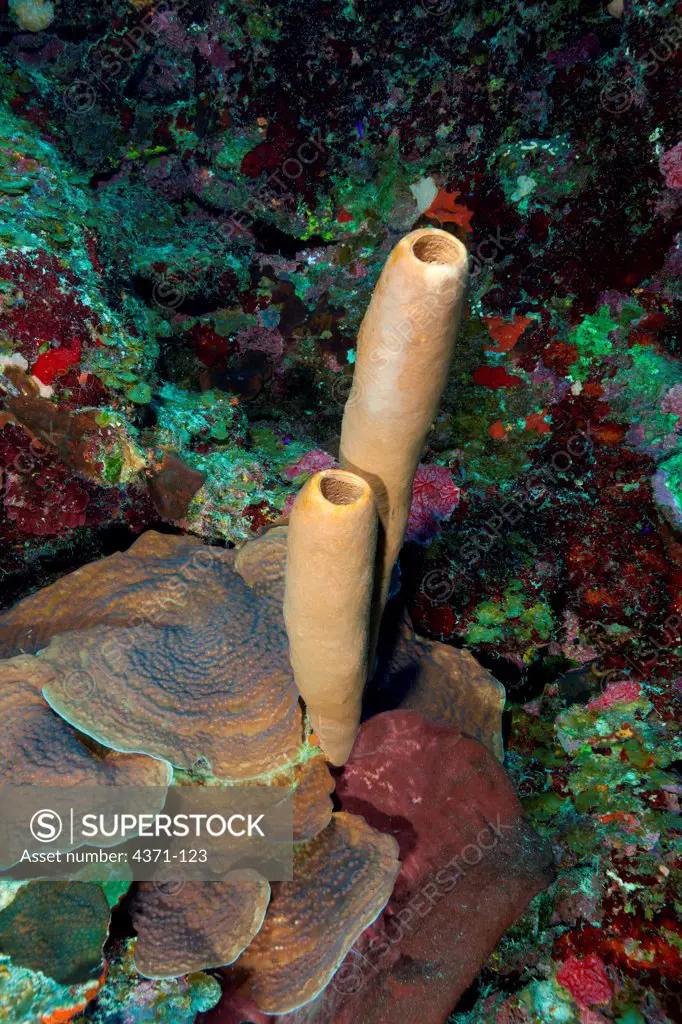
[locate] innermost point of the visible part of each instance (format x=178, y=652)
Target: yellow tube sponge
x=331, y=551
x=404, y=352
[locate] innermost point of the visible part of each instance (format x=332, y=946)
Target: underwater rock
x=173, y=486
x=667, y=490
x=42, y=498
x=158, y=160
x=94, y=444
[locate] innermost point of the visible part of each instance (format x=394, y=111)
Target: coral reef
x=196, y=201
x=128, y=998
x=224, y=712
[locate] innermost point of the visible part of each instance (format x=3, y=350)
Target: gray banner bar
x=102, y=833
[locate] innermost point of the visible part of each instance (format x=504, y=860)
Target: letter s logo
x=46, y=826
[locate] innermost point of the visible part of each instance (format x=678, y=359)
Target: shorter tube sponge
x=327, y=602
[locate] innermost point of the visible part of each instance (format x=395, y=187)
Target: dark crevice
x=271, y=240
x=66, y=33
x=91, y=545
x=101, y=177
x=175, y=301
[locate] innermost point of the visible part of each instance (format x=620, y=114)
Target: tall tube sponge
x=331, y=552
x=404, y=351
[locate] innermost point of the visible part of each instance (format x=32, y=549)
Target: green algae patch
x=511, y=616
x=592, y=339
x=28, y=996
x=140, y=394
x=187, y=417
x=539, y=173
x=639, y=396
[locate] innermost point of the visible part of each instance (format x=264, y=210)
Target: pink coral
x=586, y=980
x=312, y=462
x=673, y=261
x=616, y=693
x=592, y=1017
x=261, y=339
x=672, y=401
x=435, y=497
x=671, y=166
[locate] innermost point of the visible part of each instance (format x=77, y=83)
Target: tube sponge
x=331, y=550
x=405, y=347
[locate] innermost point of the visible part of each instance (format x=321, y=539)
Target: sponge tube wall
x=405, y=348
x=331, y=553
